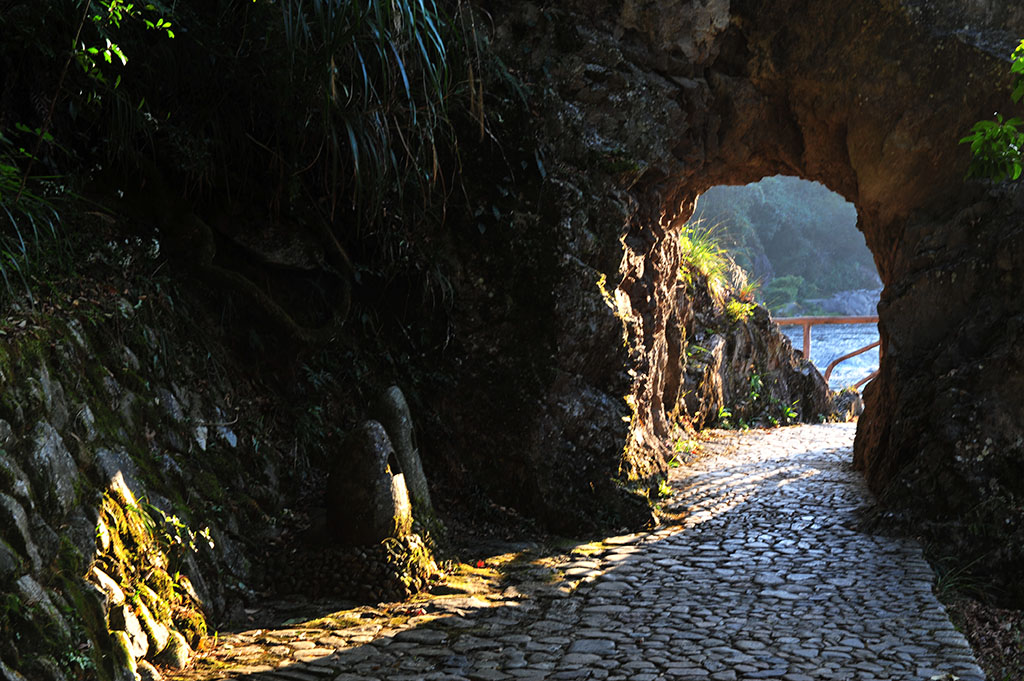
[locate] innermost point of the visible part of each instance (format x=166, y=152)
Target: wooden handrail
x=808, y=322
x=833, y=363
x=865, y=379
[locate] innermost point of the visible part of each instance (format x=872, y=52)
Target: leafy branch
x=998, y=145
x=112, y=13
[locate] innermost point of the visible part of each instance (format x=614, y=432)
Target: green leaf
x=1018, y=91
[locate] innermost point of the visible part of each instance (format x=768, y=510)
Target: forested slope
x=797, y=238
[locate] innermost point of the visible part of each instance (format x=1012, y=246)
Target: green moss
x=335, y=622
x=11, y=611
x=192, y=625
x=87, y=615
x=70, y=561
x=91, y=390
x=121, y=655
x=209, y=487
x=158, y=605
x=141, y=565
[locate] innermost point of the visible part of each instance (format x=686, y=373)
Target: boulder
x=8, y=674
x=85, y=422
x=156, y=632
x=56, y=473
x=6, y=434
x=35, y=598
x=148, y=672
x=125, y=666
x=14, y=525
x=46, y=539
x=81, y=530
x=113, y=463
x=367, y=500
x=177, y=653
x=51, y=394
x=13, y=479
x=394, y=415
x=113, y=594
x=856, y=302
x=846, y=404
x=123, y=618
x=10, y=563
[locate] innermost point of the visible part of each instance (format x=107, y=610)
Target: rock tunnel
x=648, y=103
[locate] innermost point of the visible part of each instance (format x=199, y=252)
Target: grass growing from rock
x=701, y=254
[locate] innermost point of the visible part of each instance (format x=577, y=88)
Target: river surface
x=829, y=341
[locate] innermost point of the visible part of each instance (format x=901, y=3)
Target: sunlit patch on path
x=768, y=577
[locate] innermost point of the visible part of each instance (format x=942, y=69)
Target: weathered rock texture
x=122, y=487
x=642, y=105
x=393, y=414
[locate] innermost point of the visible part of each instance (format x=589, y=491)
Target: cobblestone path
x=766, y=577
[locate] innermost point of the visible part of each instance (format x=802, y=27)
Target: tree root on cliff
x=195, y=240
x=271, y=309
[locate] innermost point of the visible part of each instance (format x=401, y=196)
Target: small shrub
x=664, y=489
x=748, y=291
x=724, y=416
x=738, y=311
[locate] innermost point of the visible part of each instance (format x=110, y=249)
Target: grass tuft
x=29, y=222
x=702, y=254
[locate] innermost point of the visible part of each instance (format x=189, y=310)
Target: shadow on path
x=766, y=578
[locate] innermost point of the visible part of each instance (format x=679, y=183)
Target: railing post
x=808, y=322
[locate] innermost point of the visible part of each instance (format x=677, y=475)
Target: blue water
x=829, y=341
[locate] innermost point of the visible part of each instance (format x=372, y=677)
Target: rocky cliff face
x=642, y=105
x=578, y=346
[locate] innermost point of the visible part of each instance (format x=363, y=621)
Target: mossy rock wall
x=125, y=477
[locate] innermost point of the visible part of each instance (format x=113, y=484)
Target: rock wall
x=941, y=438
x=150, y=474
x=573, y=351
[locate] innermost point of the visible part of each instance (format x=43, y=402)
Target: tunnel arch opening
x=799, y=248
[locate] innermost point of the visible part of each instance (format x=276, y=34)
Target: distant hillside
x=798, y=238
